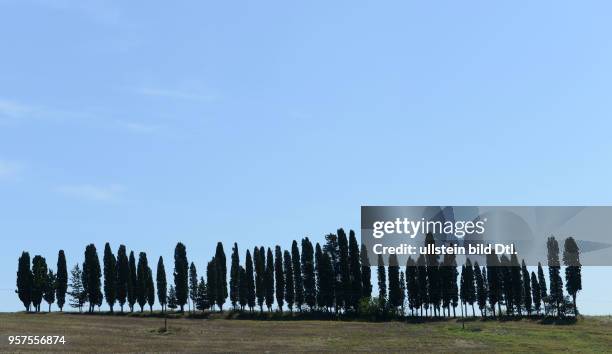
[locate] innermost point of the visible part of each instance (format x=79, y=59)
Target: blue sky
x=263, y=121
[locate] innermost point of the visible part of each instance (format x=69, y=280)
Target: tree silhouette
x=193, y=284
x=221, y=267
x=181, y=275
x=366, y=273
x=297, y=275
x=536, y=294
x=344, y=289
x=412, y=285
x=269, y=280
x=356, y=288
x=517, y=283
x=433, y=276
x=123, y=276
x=211, y=282
x=39, y=280
x=243, y=291
x=554, y=268
x=279, y=276
x=260, y=276
x=249, y=282
x=289, y=281
x=142, y=280
x=150, y=289
x=527, y=301
x=77, y=293
x=235, y=277
x=61, y=286
x=202, y=300
x=24, y=280
x=131, y=282
x=542, y=286
x=470, y=288
x=162, y=284
x=49, y=293
x=494, y=282
x=382, y=283
x=310, y=292
x=395, y=297
x=481, y=290
x=172, y=302
x=573, y=277
x=91, y=277
x=110, y=277
x=422, y=296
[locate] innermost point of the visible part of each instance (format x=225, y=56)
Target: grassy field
x=87, y=333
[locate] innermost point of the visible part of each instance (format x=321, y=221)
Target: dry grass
x=95, y=333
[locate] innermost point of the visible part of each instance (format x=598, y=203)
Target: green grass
x=87, y=333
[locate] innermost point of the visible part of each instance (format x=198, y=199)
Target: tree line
x=332, y=277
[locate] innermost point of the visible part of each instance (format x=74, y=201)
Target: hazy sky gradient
x=145, y=123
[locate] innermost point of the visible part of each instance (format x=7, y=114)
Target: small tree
x=202, y=302
x=573, y=276
x=24, y=280
x=39, y=282
x=49, y=293
x=150, y=289
x=77, y=293
x=172, y=302
x=536, y=293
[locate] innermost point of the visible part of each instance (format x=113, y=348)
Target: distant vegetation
x=333, y=278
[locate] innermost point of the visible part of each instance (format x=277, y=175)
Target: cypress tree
x=344, y=289
x=110, y=277
x=235, y=277
x=310, y=291
x=470, y=288
x=527, y=301
x=463, y=292
x=202, y=302
x=211, y=282
x=123, y=276
x=297, y=275
x=573, y=276
x=24, y=280
x=77, y=291
x=366, y=273
x=39, y=280
x=536, y=293
x=333, y=249
x=142, y=280
x=494, y=282
x=402, y=292
x=172, y=302
x=289, y=282
x=355, y=271
x=62, y=280
x=517, y=283
x=221, y=267
x=260, y=276
x=382, y=283
x=506, y=282
x=454, y=287
x=327, y=281
x=49, y=293
x=411, y=285
x=162, y=284
x=193, y=284
x=279, y=276
x=250, y=282
x=131, y=282
x=269, y=280
x=91, y=277
x=150, y=289
x=542, y=286
x=181, y=275
x=481, y=290
x=243, y=291
x=394, y=283
x=433, y=276
x=554, y=268
x=422, y=296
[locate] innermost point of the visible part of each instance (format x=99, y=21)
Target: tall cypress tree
x=327, y=281
x=162, y=284
x=91, y=277
x=382, y=283
x=250, y=282
x=110, y=277
x=542, y=286
x=181, y=266
x=573, y=276
x=366, y=273
x=433, y=276
x=123, y=276
x=554, y=269
x=402, y=292
x=49, y=293
x=142, y=280
x=279, y=276
x=297, y=275
x=211, y=282
x=61, y=280
x=494, y=282
x=310, y=293
x=243, y=291
x=423, y=298
x=24, y=280
x=39, y=280
x=260, y=276
x=527, y=301
x=355, y=271
x=470, y=288
x=506, y=281
x=235, y=277
x=481, y=290
x=131, y=282
x=289, y=283
x=221, y=267
x=193, y=284
x=536, y=294
x=269, y=280
x=150, y=289
x=395, y=299
x=517, y=283
x=411, y=285
x=343, y=291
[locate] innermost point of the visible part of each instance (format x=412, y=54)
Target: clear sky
x=146, y=123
